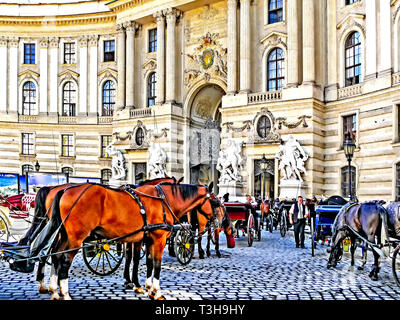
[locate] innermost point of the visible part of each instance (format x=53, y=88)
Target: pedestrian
x=226, y=197
x=297, y=215
x=251, y=208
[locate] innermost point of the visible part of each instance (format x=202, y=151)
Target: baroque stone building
x=189, y=76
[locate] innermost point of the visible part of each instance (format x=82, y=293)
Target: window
x=105, y=141
x=275, y=11
x=139, y=172
x=151, y=90
x=153, y=40
x=109, y=50
x=353, y=59
x=108, y=98
x=345, y=181
x=350, y=2
x=69, y=100
x=27, y=143
x=67, y=145
x=68, y=170
x=397, y=182
x=139, y=136
x=275, y=70
x=263, y=126
x=27, y=168
x=350, y=125
x=69, y=53
x=105, y=176
x=29, y=98
x=29, y=53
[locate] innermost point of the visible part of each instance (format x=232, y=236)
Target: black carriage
x=280, y=215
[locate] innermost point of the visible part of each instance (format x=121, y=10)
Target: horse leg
x=40, y=276
x=53, y=285
x=128, y=257
x=352, y=251
x=364, y=256
x=208, y=243
x=200, y=248
x=218, y=253
x=377, y=266
x=149, y=265
x=135, y=271
x=157, y=256
x=335, y=248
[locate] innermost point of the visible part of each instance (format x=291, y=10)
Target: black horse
x=368, y=221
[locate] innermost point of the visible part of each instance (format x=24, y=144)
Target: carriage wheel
x=102, y=257
x=4, y=232
x=283, y=223
x=396, y=265
x=250, y=230
x=259, y=231
x=184, y=246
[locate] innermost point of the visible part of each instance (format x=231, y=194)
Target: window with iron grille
x=105, y=176
x=353, y=59
x=275, y=74
x=27, y=168
x=108, y=98
x=153, y=40
x=263, y=126
x=29, y=98
x=140, y=172
x=29, y=53
x=139, y=136
x=67, y=170
x=69, y=99
x=28, y=141
x=275, y=11
x=345, y=181
x=350, y=125
x=151, y=90
x=109, y=50
x=105, y=141
x=69, y=53
x=67, y=145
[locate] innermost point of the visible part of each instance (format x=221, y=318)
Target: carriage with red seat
x=243, y=216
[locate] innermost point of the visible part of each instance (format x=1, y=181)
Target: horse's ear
x=180, y=180
x=210, y=186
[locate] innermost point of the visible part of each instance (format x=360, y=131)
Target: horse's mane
x=156, y=179
x=187, y=191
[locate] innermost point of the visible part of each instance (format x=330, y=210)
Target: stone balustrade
x=254, y=98
x=140, y=113
x=67, y=119
x=395, y=78
x=350, y=91
x=105, y=119
x=28, y=118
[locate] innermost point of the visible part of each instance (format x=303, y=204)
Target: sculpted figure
x=118, y=161
x=230, y=162
x=157, y=161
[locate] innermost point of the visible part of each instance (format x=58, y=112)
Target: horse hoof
x=218, y=254
x=360, y=268
x=139, y=290
x=151, y=295
x=66, y=297
x=208, y=254
x=201, y=256
x=129, y=286
x=160, y=298
x=43, y=289
x=55, y=296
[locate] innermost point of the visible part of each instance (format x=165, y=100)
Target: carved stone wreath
x=291, y=125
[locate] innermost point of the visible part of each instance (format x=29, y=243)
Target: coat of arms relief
x=207, y=60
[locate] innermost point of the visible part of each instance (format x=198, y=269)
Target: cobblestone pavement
x=272, y=269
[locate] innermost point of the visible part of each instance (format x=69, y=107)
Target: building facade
x=190, y=76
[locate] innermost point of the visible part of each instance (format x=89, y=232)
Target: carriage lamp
x=37, y=166
x=264, y=167
x=349, y=146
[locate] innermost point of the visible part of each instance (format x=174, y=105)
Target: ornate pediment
x=28, y=74
x=274, y=39
x=107, y=73
x=352, y=19
x=68, y=75
x=149, y=66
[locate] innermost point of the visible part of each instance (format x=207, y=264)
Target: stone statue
x=230, y=162
x=292, y=158
x=118, y=161
x=157, y=161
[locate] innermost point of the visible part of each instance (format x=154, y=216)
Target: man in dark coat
x=298, y=214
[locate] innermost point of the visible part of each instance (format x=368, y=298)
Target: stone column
x=53, y=77
x=83, y=74
x=245, y=46
x=121, y=64
x=370, y=42
x=43, y=52
x=93, y=63
x=232, y=47
x=3, y=73
x=292, y=44
x=308, y=42
x=160, y=86
x=171, y=15
x=130, y=62
x=332, y=74
x=385, y=32
x=13, y=75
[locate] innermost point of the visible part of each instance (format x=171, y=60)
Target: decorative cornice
x=120, y=5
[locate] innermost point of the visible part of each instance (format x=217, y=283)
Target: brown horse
x=44, y=199
x=81, y=210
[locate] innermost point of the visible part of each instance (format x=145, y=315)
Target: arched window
x=67, y=170
x=108, y=98
x=353, y=59
x=105, y=176
x=397, y=182
x=139, y=136
x=29, y=98
x=275, y=70
x=69, y=99
x=27, y=168
x=263, y=126
x=345, y=181
x=151, y=89
x=275, y=11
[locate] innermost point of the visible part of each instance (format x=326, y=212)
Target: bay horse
x=43, y=201
x=80, y=210
x=366, y=221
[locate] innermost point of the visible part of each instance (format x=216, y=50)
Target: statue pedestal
x=234, y=189
x=115, y=183
x=289, y=189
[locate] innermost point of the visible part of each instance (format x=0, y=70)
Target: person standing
x=297, y=215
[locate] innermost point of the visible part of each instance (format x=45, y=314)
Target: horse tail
x=46, y=235
x=384, y=224
x=38, y=217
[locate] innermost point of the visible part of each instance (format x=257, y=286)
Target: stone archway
x=205, y=134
